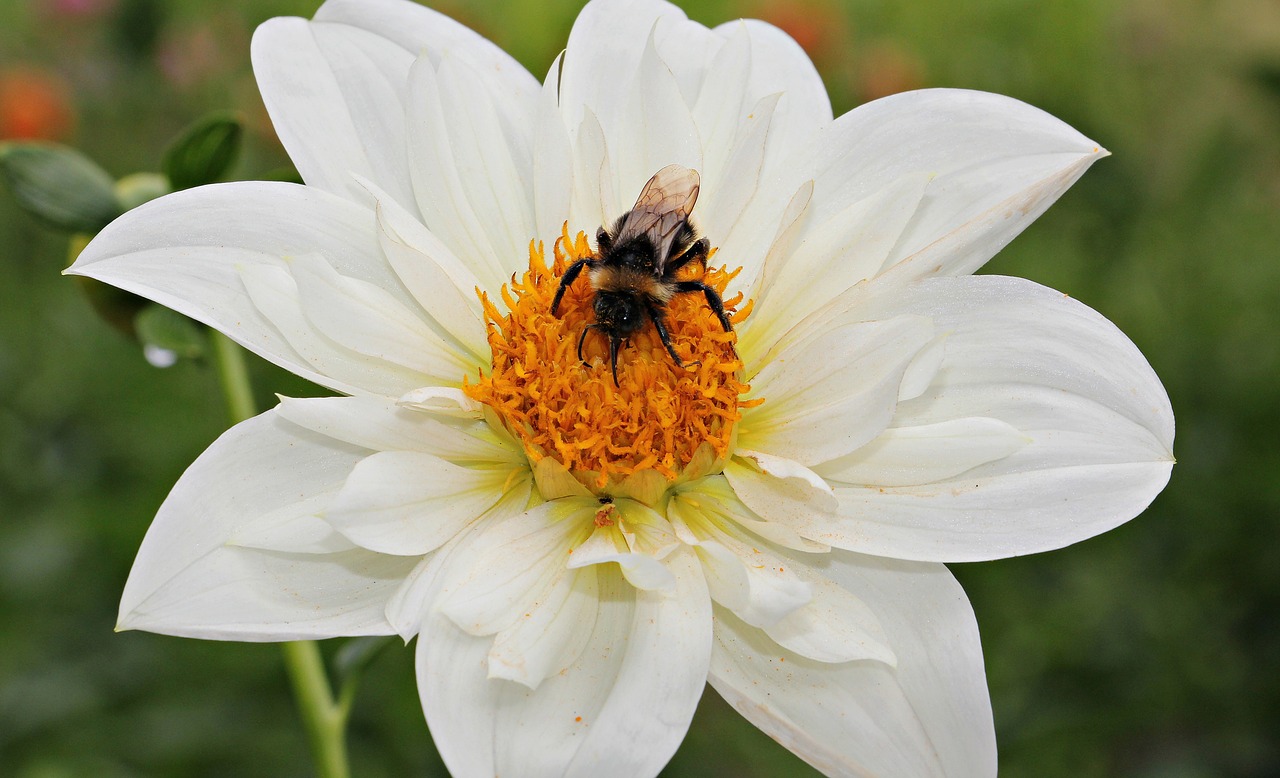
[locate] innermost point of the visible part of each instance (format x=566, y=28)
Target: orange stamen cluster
x=658, y=414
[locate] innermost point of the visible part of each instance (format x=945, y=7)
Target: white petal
x=410, y=503
x=835, y=626
x=620, y=710
x=188, y=581
x=336, y=97
x=443, y=401
x=641, y=570
x=295, y=528
x=407, y=607
x=928, y=716
x=595, y=197
x=396, y=223
x=909, y=456
x=453, y=310
x=731, y=188
x=654, y=127
x=833, y=393
x=997, y=165
x=466, y=175
x=750, y=583
x=380, y=424
x=787, y=501
x=758, y=68
x=551, y=634
x=517, y=560
x=418, y=29
x=605, y=47
x=774, y=588
x=369, y=320
x=716, y=498
x=185, y=251
x=720, y=110
x=1098, y=420
x=849, y=247
x=552, y=160
x=274, y=293
x=780, y=66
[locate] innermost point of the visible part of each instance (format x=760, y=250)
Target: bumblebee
x=634, y=270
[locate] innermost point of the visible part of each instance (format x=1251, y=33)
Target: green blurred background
x=1153, y=650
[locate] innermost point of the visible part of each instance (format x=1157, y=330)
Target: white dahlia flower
x=577, y=558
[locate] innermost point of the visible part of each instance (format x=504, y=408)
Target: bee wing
x=663, y=205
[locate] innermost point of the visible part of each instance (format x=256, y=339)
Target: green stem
x=233, y=373
x=323, y=717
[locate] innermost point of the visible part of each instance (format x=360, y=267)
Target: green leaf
x=161, y=328
x=59, y=185
x=205, y=151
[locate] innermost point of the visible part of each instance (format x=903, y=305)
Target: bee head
x=618, y=313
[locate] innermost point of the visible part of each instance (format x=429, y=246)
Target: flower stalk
x=323, y=717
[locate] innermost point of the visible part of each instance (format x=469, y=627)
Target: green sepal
x=138, y=188
x=204, y=152
x=165, y=328
x=59, y=185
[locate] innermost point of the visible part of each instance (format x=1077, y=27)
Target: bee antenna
x=613, y=357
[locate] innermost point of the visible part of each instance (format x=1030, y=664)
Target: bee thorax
x=622, y=279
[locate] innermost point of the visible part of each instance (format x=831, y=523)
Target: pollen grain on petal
x=656, y=417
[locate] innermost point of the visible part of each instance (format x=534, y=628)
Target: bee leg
x=658, y=324
x=696, y=253
x=713, y=300
x=570, y=276
x=583, y=339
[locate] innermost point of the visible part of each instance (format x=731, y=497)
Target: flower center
x=656, y=417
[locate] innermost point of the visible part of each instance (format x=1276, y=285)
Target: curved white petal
x=294, y=528
x=418, y=29
x=761, y=102
x=407, y=606
x=786, y=498
x=472, y=185
x=771, y=588
x=830, y=395
x=187, y=251
x=621, y=709
x=927, y=453
x=335, y=88
x=1098, y=422
x=410, y=503
x=189, y=579
x=654, y=127
x=454, y=311
x=849, y=247
x=605, y=47
x=381, y=424
x=274, y=293
x=928, y=716
x=551, y=635
x=370, y=321
x=552, y=160
x=516, y=561
x=336, y=95
x=996, y=164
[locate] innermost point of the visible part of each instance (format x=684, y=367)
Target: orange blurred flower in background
x=35, y=104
